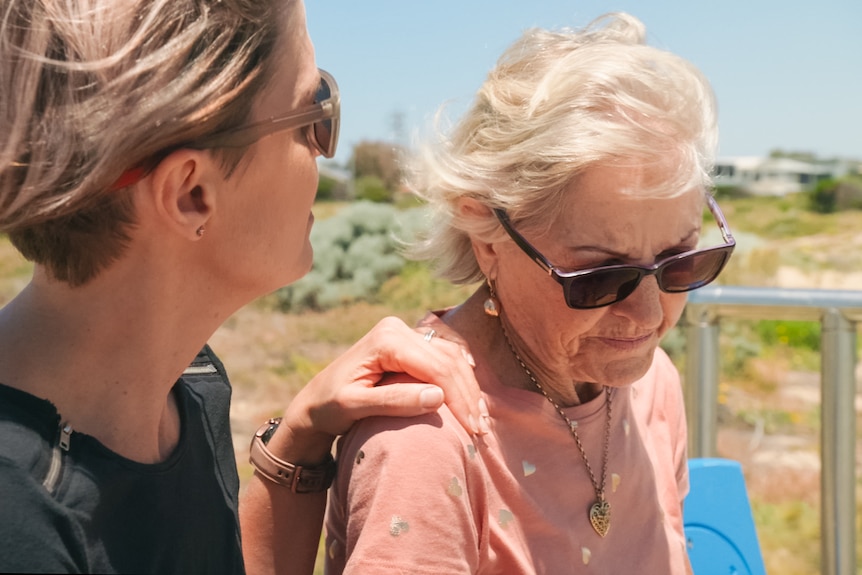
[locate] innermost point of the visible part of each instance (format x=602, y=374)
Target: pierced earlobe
x=200, y=231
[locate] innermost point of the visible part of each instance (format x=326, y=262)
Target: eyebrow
x=625, y=256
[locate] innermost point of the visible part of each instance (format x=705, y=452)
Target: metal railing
x=838, y=313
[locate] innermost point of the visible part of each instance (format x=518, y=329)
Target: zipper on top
x=56, y=465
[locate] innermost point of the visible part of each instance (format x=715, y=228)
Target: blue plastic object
x=719, y=527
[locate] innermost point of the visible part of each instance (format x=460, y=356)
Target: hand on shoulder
x=393, y=370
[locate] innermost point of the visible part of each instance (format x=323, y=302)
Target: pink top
x=419, y=495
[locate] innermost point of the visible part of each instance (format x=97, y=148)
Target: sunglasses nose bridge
x=643, y=273
x=658, y=271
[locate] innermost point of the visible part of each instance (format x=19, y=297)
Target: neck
x=560, y=395
x=107, y=354
x=487, y=336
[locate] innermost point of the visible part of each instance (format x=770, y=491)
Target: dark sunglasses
x=322, y=118
x=606, y=285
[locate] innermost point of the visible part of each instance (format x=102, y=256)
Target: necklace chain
x=599, y=488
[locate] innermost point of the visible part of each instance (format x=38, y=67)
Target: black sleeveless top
x=68, y=504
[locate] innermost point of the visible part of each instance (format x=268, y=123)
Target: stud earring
x=492, y=304
x=200, y=231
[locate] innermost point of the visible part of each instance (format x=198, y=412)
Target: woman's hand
x=393, y=370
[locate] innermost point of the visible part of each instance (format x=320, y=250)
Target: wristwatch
x=299, y=478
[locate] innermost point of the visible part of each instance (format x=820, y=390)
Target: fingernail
x=483, y=408
x=472, y=421
x=431, y=397
x=469, y=357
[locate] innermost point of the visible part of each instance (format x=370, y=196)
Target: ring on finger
x=429, y=335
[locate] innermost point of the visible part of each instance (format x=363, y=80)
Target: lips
x=626, y=343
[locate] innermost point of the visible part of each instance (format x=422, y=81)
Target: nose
x=643, y=307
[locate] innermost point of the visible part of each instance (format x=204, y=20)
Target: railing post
x=837, y=444
x=701, y=380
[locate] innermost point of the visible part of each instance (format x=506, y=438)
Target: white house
x=773, y=176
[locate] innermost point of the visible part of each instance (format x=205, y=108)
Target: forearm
x=281, y=529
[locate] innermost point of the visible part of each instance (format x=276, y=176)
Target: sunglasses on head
x=598, y=287
x=322, y=119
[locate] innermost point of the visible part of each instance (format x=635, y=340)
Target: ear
x=182, y=190
x=485, y=252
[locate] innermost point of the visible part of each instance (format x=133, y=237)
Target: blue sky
x=787, y=74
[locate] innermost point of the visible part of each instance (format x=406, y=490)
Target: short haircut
x=93, y=88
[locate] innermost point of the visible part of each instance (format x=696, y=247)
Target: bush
x=729, y=193
x=848, y=195
x=823, y=198
x=794, y=334
x=355, y=252
x=326, y=188
x=372, y=189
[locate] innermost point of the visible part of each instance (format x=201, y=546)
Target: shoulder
x=206, y=369
x=36, y=534
x=425, y=436
x=405, y=451
x=206, y=382
x=663, y=368
x=405, y=497
x=661, y=383
x=657, y=397
x=29, y=427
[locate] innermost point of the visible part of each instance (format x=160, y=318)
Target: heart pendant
x=600, y=517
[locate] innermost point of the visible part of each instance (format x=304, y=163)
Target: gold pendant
x=600, y=517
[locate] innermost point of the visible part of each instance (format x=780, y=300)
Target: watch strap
x=299, y=478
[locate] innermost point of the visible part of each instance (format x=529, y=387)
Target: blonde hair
x=557, y=103
x=92, y=88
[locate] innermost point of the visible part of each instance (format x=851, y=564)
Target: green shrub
x=729, y=192
x=326, y=188
x=737, y=346
x=823, y=197
x=355, y=252
x=794, y=334
x=416, y=288
x=372, y=189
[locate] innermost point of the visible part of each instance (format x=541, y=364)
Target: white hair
x=556, y=104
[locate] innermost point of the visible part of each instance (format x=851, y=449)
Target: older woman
x=157, y=164
x=575, y=189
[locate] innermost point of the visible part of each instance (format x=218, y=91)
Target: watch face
x=267, y=435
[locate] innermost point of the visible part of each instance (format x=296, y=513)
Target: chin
x=623, y=372
x=288, y=276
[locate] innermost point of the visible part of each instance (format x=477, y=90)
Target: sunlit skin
x=269, y=200
x=603, y=220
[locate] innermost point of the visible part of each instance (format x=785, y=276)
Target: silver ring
x=429, y=334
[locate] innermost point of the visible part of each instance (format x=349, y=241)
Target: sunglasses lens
x=323, y=136
x=693, y=271
x=325, y=132
x=600, y=288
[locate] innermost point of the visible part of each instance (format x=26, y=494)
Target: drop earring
x=492, y=304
